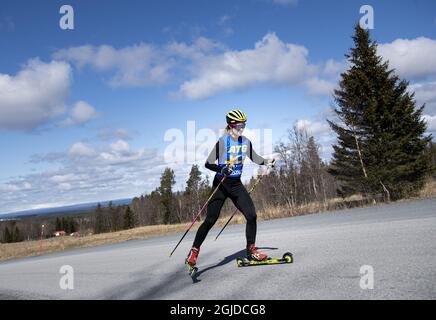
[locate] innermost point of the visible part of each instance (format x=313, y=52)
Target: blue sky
x=84, y=112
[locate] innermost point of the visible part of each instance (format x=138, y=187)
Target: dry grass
x=429, y=190
x=31, y=248
x=313, y=207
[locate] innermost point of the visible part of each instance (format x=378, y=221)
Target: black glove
x=226, y=171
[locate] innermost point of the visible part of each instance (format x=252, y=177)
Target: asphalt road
x=397, y=241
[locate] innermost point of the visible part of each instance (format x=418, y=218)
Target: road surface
x=396, y=243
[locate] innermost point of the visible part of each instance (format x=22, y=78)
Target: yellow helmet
x=235, y=116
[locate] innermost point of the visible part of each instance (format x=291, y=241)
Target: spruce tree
x=16, y=235
x=58, y=224
x=99, y=225
x=129, y=221
x=114, y=217
x=314, y=164
x=7, y=238
x=167, y=181
x=71, y=225
x=193, y=183
x=192, y=190
x=381, y=134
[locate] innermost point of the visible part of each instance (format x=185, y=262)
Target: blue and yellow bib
x=234, y=154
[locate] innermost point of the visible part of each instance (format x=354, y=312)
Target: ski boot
x=191, y=261
x=254, y=255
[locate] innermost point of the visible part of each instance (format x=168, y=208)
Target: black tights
x=234, y=189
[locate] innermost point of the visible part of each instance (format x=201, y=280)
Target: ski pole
x=236, y=210
x=199, y=213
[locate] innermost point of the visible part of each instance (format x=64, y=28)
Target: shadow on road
x=140, y=287
x=225, y=261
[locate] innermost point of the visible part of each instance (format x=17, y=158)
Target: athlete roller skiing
x=227, y=160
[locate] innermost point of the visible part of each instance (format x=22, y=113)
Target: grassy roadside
x=32, y=248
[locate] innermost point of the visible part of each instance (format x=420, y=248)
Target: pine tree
x=7, y=236
x=58, y=224
x=381, y=142
x=69, y=225
x=314, y=164
x=129, y=220
x=192, y=190
x=113, y=214
x=16, y=235
x=167, y=181
x=99, y=225
x=194, y=179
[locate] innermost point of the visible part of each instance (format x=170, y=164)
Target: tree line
x=11, y=233
x=300, y=177
x=113, y=218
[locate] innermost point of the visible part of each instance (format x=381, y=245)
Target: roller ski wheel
x=244, y=262
x=240, y=262
x=192, y=270
x=288, y=257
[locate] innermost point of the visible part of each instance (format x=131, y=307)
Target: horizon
x=102, y=202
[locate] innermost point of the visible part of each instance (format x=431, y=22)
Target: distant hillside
x=60, y=210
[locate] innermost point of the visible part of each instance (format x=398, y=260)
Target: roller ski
x=191, y=261
x=255, y=257
x=192, y=270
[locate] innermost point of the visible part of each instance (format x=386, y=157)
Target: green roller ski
x=244, y=262
x=191, y=270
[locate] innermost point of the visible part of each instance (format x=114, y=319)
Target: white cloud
x=34, y=96
x=224, y=19
x=64, y=178
x=322, y=133
x=425, y=93
x=411, y=58
x=116, y=153
x=206, y=67
x=195, y=51
x=314, y=128
x=270, y=61
x=320, y=87
x=9, y=187
x=81, y=149
x=327, y=79
x=138, y=65
x=15, y=186
x=431, y=122
x=65, y=186
x=333, y=68
x=86, y=173
x=223, y=24
x=108, y=134
x=27, y=185
x=120, y=146
x=48, y=205
x=81, y=113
